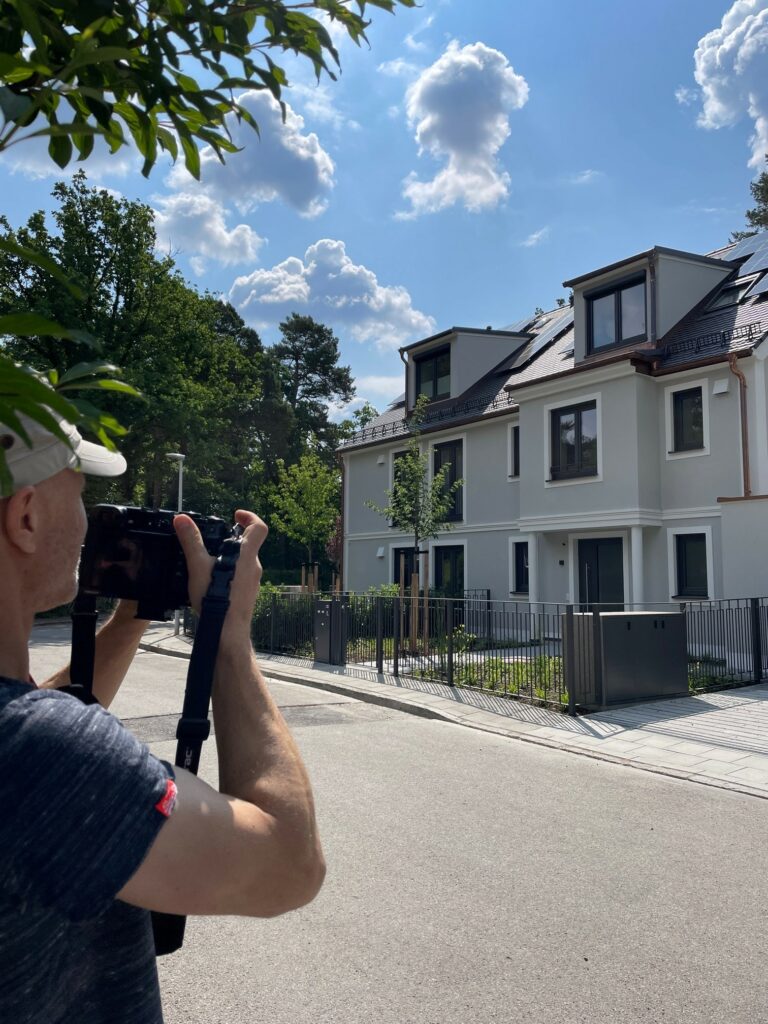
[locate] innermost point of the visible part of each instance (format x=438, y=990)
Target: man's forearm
x=116, y=645
x=258, y=758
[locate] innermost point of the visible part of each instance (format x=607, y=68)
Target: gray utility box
x=330, y=630
x=622, y=657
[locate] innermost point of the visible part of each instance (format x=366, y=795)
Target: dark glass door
x=449, y=570
x=601, y=573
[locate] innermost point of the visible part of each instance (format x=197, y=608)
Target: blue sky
x=477, y=155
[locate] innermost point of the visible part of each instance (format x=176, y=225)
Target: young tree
x=415, y=504
x=757, y=217
x=306, y=502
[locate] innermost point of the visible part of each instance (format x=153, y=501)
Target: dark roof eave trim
x=465, y=330
x=581, y=368
x=511, y=410
x=657, y=249
x=665, y=371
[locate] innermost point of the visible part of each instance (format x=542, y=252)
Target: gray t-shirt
x=81, y=801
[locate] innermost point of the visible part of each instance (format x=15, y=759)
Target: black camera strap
x=194, y=725
x=84, y=616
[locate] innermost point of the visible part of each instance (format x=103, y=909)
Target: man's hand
x=116, y=645
x=245, y=585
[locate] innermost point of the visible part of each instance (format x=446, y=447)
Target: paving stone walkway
x=717, y=739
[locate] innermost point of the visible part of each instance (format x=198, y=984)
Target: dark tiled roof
x=549, y=353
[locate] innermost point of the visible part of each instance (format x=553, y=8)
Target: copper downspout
x=744, y=423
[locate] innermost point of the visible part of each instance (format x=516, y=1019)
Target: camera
x=134, y=553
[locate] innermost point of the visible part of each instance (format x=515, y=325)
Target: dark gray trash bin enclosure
x=330, y=632
x=622, y=657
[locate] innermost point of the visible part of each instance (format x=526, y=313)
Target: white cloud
x=536, y=238
x=399, y=68
x=327, y=285
x=731, y=69
x=31, y=159
x=460, y=110
x=585, y=177
x=280, y=163
x=411, y=42
x=686, y=96
x=196, y=225
x=317, y=102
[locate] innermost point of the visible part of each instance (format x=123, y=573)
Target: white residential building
x=614, y=451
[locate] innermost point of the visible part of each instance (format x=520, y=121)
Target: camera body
x=134, y=553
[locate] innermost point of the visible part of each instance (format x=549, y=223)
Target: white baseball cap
x=49, y=455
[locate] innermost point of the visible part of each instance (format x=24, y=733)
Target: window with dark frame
x=616, y=315
x=521, y=567
x=691, y=558
x=574, y=441
x=515, y=453
x=433, y=374
x=450, y=453
x=687, y=420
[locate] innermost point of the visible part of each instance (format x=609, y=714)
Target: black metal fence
x=510, y=648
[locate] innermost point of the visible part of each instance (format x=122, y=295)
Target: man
x=95, y=831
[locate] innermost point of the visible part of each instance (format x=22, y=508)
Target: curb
x=387, y=701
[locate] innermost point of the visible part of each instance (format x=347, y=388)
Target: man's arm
x=253, y=848
x=116, y=645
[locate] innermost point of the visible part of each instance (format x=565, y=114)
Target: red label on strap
x=166, y=804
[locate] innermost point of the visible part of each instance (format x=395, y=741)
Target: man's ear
x=21, y=520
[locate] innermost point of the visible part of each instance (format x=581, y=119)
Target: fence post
x=597, y=657
x=757, y=647
x=272, y=616
x=449, y=610
x=396, y=637
x=379, y=634
x=569, y=668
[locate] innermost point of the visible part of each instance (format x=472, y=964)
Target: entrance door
x=449, y=570
x=601, y=573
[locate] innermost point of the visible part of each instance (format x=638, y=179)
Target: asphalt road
x=475, y=879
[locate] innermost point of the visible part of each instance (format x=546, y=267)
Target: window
x=433, y=374
x=731, y=295
x=686, y=414
x=405, y=555
x=616, y=316
x=691, y=564
x=450, y=454
x=521, y=567
x=687, y=420
x=514, y=451
x=574, y=441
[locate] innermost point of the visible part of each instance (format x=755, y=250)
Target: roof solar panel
x=550, y=332
x=519, y=325
x=747, y=246
x=757, y=261
x=760, y=287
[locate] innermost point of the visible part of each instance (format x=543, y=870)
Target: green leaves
x=416, y=504
x=24, y=391
x=306, y=502
x=119, y=65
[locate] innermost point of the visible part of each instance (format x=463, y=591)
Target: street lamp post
x=178, y=457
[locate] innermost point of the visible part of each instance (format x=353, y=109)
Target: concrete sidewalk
x=717, y=739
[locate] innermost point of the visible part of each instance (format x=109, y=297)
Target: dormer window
x=616, y=314
x=433, y=374
x=731, y=295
